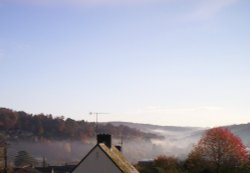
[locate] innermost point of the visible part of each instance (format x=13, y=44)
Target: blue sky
x=172, y=62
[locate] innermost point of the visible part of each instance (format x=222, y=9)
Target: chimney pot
x=104, y=138
x=118, y=147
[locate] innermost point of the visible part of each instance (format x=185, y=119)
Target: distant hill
x=177, y=132
x=180, y=140
x=150, y=127
x=20, y=125
x=242, y=131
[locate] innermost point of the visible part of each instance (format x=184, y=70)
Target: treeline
x=21, y=125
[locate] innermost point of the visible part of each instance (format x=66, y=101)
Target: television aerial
x=96, y=118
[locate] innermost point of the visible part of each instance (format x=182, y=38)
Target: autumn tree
x=218, y=151
x=161, y=164
x=168, y=163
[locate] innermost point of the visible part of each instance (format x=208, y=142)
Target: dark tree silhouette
x=23, y=159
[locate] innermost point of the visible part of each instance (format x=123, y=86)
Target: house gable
x=97, y=161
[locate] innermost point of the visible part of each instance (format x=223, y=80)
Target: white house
x=104, y=158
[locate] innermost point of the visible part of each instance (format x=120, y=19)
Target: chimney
x=104, y=138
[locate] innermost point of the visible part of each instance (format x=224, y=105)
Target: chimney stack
x=104, y=138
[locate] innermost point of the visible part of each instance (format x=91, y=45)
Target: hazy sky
x=167, y=62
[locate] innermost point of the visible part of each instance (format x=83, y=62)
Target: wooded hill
x=16, y=125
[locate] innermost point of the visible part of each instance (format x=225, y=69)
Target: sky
x=165, y=62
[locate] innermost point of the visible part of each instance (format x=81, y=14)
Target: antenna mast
x=96, y=119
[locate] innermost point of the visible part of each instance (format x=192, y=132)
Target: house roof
x=115, y=156
x=56, y=169
x=26, y=170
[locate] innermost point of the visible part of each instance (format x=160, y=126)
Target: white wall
x=97, y=162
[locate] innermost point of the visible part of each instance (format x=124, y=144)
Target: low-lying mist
x=71, y=152
x=177, y=141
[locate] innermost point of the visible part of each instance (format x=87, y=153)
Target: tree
x=161, y=164
x=1, y=157
x=218, y=151
x=168, y=163
x=23, y=159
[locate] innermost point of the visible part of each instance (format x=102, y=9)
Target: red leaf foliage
x=218, y=149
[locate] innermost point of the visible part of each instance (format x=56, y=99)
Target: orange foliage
x=218, y=149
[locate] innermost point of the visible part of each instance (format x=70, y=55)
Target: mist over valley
x=60, y=141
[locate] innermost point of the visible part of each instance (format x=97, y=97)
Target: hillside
x=176, y=133
x=20, y=125
x=179, y=141
x=243, y=131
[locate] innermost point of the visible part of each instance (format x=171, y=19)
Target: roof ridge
x=119, y=159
